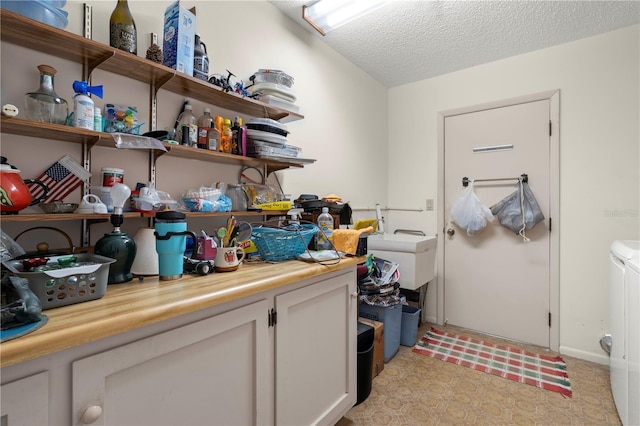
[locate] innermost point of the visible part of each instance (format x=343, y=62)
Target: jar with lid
x=44, y=104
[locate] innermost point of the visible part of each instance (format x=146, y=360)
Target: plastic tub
x=409, y=328
x=81, y=281
x=391, y=317
x=273, y=76
x=45, y=11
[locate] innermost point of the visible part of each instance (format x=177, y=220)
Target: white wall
x=598, y=79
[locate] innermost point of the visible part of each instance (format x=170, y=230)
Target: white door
x=495, y=282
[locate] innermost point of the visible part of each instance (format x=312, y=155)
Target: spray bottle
x=83, y=106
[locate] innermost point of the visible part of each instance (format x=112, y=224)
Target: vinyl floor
x=415, y=389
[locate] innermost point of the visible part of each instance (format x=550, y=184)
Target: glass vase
x=45, y=105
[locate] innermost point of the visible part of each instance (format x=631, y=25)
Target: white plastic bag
x=469, y=213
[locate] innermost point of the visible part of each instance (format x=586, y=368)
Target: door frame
x=554, y=201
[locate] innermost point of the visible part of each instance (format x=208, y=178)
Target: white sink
x=415, y=255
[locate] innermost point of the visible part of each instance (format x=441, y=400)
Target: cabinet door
x=213, y=372
x=316, y=352
x=26, y=401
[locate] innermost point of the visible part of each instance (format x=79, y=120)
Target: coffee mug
x=227, y=259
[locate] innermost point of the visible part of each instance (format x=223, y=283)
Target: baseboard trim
x=587, y=356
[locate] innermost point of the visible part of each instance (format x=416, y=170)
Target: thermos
x=171, y=243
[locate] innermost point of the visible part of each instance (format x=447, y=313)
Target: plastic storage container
x=409, y=327
x=273, y=76
x=366, y=339
x=83, y=280
x=46, y=11
x=391, y=317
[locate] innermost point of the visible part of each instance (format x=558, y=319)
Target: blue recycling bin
x=410, y=323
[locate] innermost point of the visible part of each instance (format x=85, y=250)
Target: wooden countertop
x=140, y=303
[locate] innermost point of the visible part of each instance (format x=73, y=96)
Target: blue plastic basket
x=282, y=243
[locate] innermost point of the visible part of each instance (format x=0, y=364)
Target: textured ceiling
x=407, y=41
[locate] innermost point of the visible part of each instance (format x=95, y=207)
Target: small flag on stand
x=61, y=178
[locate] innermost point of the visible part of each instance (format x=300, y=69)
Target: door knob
x=451, y=231
x=91, y=414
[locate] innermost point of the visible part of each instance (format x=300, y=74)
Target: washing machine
x=624, y=301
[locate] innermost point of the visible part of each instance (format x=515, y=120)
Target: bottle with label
x=227, y=136
x=200, y=60
x=83, y=106
x=324, y=237
x=187, y=120
x=238, y=133
x=205, y=122
x=123, y=34
x=97, y=119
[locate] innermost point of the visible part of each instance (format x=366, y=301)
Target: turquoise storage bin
x=409, y=327
x=391, y=317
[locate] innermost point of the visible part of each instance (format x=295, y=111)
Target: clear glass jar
x=45, y=105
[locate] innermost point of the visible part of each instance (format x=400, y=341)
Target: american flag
x=61, y=179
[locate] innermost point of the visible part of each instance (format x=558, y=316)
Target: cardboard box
x=378, y=345
x=179, y=38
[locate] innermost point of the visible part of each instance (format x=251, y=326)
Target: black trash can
x=366, y=338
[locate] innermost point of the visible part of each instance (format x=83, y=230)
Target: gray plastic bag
x=519, y=211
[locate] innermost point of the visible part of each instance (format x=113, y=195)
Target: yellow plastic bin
x=409, y=327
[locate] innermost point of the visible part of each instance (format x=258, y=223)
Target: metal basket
x=279, y=243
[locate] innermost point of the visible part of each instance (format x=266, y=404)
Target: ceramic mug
x=227, y=259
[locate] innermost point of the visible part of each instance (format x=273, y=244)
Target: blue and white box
x=179, y=38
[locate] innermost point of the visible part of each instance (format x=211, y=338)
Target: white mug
x=227, y=259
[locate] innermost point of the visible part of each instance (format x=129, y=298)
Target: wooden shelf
x=20, y=126
x=22, y=31
x=44, y=217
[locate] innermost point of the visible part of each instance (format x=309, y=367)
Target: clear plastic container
x=46, y=11
x=324, y=237
x=273, y=76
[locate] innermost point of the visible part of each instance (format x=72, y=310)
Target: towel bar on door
x=523, y=177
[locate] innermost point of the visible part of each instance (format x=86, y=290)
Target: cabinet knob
x=354, y=294
x=91, y=414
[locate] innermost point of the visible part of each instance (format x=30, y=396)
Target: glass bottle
x=122, y=29
x=44, y=104
x=187, y=121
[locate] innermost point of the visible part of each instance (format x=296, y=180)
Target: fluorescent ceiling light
x=327, y=15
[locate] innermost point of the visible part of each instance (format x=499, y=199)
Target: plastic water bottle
x=324, y=237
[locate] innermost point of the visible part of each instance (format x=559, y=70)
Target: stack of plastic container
x=46, y=11
x=267, y=138
x=274, y=88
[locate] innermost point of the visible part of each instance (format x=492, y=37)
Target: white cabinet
x=233, y=367
x=26, y=401
x=214, y=371
x=316, y=352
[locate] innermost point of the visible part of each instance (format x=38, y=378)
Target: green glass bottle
x=123, y=34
